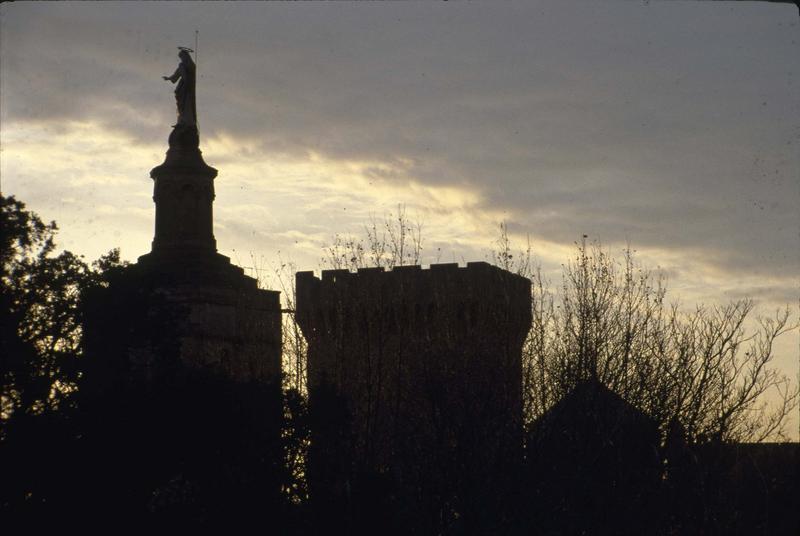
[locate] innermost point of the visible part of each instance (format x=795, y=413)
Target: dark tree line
x=85, y=442
x=655, y=447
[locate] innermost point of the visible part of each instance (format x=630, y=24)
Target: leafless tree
x=279, y=275
x=709, y=368
x=395, y=240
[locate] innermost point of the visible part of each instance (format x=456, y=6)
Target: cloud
x=667, y=125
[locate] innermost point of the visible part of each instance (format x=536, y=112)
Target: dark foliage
x=92, y=436
x=40, y=296
x=87, y=437
x=595, y=454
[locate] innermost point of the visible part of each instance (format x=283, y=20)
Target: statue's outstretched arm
x=174, y=77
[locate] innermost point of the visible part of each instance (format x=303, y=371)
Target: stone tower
x=426, y=365
x=227, y=323
x=183, y=302
x=182, y=390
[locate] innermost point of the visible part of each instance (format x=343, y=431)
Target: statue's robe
x=185, y=92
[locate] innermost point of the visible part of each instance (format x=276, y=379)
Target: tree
x=708, y=368
x=703, y=378
x=705, y=373
x=40, y=362
x=395, y=241
x=40, y=297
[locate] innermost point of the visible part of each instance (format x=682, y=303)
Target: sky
x=671, y=127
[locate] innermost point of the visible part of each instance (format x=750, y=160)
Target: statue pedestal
x=184, y=195
x=184, y=303
x=182, y=353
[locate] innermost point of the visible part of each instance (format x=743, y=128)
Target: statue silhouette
x=185, y=90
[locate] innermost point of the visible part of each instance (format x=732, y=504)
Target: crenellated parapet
x=428, y=365
x=446, y=308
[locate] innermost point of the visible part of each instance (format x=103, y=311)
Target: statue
x=184, y=91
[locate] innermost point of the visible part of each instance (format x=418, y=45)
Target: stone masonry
x=428, y=362
x=183, y=301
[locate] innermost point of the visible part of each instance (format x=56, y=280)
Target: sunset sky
x=669, y=126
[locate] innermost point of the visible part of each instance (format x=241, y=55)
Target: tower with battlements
x=425, y=365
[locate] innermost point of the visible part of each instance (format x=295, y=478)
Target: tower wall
x=428, y=366
x=154, y=321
